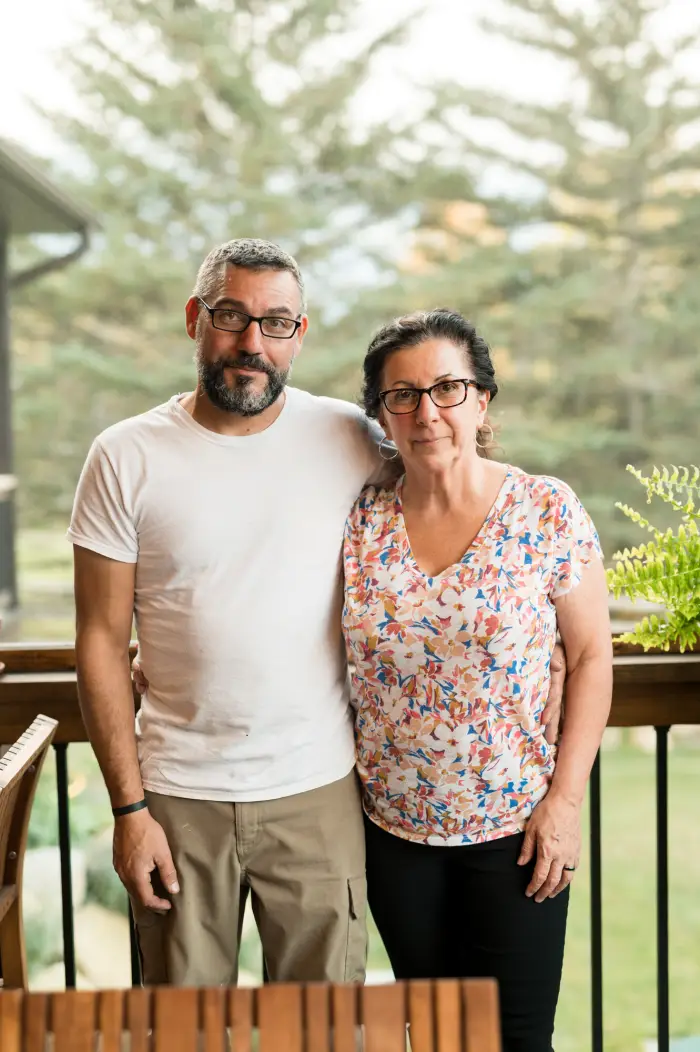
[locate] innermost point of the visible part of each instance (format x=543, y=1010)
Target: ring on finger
x=569, y=869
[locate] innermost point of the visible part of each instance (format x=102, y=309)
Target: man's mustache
x=245, y=361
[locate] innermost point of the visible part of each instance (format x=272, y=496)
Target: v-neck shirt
x=450, y=673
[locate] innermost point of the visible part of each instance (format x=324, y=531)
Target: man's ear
x=192, y=308
x=300, y=334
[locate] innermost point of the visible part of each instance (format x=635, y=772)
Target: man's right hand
x=140, y=848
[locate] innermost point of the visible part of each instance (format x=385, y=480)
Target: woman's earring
x=489, y=440
x=390, y=445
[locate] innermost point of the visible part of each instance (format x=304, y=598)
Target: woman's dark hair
x=413, y=329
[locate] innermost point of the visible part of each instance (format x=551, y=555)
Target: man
x=217, y=519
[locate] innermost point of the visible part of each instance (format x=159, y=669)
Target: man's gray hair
x=250, y=253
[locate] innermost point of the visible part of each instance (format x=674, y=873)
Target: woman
x=456, y=578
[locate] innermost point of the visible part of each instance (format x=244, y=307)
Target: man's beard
x=241, y=398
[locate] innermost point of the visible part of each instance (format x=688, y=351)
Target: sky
x=447, y=42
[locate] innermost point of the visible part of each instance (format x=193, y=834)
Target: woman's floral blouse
x=450, y=673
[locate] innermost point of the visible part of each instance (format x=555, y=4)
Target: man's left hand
x=551, y=718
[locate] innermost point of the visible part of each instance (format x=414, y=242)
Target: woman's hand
x=553, y=834
x=137, y=675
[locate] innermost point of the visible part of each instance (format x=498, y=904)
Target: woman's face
x=433, y=436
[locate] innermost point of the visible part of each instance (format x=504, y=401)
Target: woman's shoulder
x=375, y=502
x=542, y=490
x=377, y=497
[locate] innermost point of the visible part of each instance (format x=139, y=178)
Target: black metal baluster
x=596, y=911
x=134, y=948
x=61, y=750
x=662, y=887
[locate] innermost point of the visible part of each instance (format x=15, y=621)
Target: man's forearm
x=588, y=694
x=107, y=704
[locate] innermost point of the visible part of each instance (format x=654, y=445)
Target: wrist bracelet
x=128, y=808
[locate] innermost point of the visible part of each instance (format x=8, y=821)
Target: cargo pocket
x=356, y=955
x=150, y=942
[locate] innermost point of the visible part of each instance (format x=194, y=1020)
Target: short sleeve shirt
x=450, y=673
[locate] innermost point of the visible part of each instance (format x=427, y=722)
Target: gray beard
x=240, y=398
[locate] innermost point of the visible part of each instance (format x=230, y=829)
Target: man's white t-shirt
x=237, y=543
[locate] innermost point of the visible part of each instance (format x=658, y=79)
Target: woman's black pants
x=460, y=912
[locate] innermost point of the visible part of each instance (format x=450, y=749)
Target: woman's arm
x=554, y=828
x=584, y=624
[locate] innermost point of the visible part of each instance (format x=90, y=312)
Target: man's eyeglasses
x=276, y=326
x=445, y=394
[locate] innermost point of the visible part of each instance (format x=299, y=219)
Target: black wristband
x=128, y=808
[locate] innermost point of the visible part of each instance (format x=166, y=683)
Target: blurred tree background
x=569, y=232
x=568, y=229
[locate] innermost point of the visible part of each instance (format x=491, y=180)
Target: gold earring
x=390, y=445
x=489, y=440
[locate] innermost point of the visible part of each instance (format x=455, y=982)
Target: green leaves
x=666, y=569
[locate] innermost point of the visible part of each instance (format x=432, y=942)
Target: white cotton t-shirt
x=237, y=543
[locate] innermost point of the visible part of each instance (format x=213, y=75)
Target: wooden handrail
x=654, y=689
x=60, y=657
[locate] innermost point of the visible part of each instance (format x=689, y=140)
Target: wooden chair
x=20, y=766
x=442, y=1016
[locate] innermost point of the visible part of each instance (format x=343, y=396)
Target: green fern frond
x=665, y=569
x=666, y=484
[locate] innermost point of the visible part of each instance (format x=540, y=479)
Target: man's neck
x=201, y=410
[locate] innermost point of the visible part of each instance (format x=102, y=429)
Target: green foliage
x=570, y=233
x=201, y=121
x=665, y=569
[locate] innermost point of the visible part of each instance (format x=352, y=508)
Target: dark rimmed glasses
x=445, y=395
x=276, y=326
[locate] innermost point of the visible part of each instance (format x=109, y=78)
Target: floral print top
x=450, y=673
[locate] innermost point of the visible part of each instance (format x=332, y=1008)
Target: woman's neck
x=452, y=487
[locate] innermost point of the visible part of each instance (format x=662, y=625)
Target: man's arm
x=104, y=598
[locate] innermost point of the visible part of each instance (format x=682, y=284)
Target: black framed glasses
x=276, y=326
x=445, y=394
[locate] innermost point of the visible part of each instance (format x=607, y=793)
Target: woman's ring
x=570, y=868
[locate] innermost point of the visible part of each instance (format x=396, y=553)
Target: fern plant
x=665, y=569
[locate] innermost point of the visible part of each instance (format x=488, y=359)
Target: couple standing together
x=248, y=527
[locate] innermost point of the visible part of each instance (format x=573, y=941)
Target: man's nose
x=251, y=340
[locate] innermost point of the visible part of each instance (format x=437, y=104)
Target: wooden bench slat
x=280, y=1017
x=318, y=1019
x=420, y=1015
x=73, y=1020
x=344, y=1019
x=36, y=1010
x=436, y=1015
x=11, y=1020
x=481, y=1018
x=448, y=1016
x=137, y=1003
x=110, y=1017
x=241, y=1019
x=175, y=1019
x=213, y=1014
x=384, y=1017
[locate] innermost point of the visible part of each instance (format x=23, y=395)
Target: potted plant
x=666, y=568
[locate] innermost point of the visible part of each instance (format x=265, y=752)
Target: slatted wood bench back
x=440, y=1016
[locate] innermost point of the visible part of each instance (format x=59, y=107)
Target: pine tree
x=203, y=120
x=585, y=275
